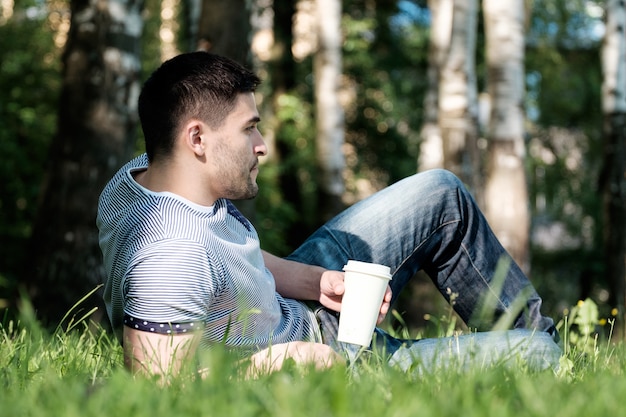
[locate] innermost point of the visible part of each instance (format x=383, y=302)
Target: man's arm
x=293, y=279
x=309, y=282
x=157, y=354
x=150, y=354
x=302, y=353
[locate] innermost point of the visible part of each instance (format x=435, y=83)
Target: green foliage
x=29, y=86
x=384, y=63
x=387, y=65
x=565, y=148
x=283, y=187
x=29, y=89
x=587, y=341
x=583, y=329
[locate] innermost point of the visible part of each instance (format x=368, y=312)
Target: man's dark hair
x=196, y=84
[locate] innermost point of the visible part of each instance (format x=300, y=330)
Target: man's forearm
x=293, y=279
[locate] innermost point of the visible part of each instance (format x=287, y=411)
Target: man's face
x=235, y=149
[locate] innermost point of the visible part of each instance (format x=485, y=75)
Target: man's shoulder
x=122, y=176
x=118, y=198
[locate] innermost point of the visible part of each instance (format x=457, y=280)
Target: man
x=185, y=268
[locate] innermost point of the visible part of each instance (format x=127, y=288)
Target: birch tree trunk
x=613, y=179
x=169, y=28
x=506, y=194
x=96, y=135
x=458, y=98
x=431, y=146
x=327, y=67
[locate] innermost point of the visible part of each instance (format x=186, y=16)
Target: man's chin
x=249, y=195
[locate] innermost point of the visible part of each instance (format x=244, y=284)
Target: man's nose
x=260, y=148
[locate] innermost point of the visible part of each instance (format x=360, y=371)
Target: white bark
x=6, y=10
x=506, y=195
x=614, y=59
x=168, y=29
x=330, y=114
x=458, y=98
x=261, y=47
x=431, y=146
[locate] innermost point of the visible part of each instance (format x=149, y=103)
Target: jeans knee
x=444, y=178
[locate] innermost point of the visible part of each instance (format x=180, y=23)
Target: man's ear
x=195, y=137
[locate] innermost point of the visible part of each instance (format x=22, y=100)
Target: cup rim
x=369, y=268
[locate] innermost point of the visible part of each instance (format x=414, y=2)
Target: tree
x=280, y=219
x=96, y=134
x=329, y=113
x=28, y=102
x=506, y=195
x=431, y=146
x=169, y=25
x=458, y=98
x=224, y=28
x=613, y=177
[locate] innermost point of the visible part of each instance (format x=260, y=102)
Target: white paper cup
x=365, y=285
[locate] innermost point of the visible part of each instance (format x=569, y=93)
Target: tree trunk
x=224, y=29
x=431, y=146
x=506, y=194
x=169, y=28
x=327, y=67
x=262, y=16
x=96, y=135
x=458, y=98
x=193, y=11
x=613, y=178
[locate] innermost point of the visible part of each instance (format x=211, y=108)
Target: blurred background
x=523, y=100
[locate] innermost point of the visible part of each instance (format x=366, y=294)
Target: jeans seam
x=337, y=241
x=485, y=281
x=419, y=246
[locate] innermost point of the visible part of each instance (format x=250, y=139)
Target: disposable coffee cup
x=365, y=286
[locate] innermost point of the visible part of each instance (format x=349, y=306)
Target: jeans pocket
x=329, y=325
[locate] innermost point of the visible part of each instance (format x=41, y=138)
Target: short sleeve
x=172, y=281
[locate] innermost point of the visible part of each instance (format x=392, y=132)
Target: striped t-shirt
x=172, y=265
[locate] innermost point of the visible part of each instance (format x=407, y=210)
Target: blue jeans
x=430, y=222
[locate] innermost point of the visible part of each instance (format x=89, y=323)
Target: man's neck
x=174, y=178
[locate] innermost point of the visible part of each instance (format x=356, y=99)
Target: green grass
x=79, y=372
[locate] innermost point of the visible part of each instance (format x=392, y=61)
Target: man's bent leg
x=430, y=221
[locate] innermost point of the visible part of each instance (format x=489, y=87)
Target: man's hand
x=332, y=289
x=307, y=282
x=302, y=353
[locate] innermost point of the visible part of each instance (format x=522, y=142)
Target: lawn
x=78, y=372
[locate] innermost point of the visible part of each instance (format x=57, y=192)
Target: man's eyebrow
x=255, y=119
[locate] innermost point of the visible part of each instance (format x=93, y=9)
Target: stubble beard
x=252, y=190
x=246, y=190
x=237, y=184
